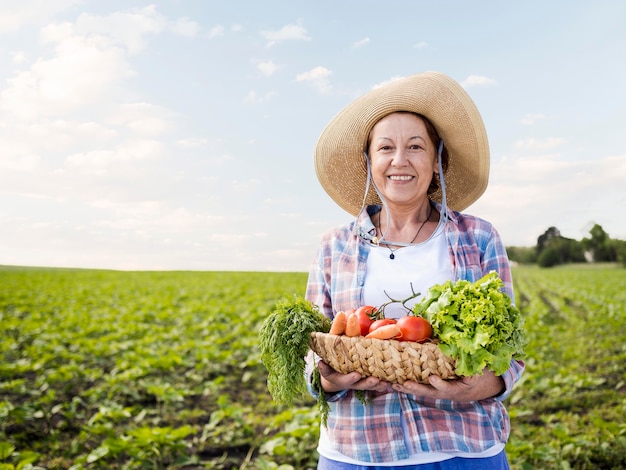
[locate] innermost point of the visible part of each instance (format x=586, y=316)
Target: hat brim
x=339, y=161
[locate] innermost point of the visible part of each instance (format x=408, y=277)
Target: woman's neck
x=401, y=220
x=394, y=239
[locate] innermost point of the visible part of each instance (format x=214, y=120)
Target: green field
x=156, y=370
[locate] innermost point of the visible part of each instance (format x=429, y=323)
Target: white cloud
x=245, y=186
x=82, y=70
x=19, y=163
x=254, y=98
x=216, y=31
x=386, y=82
x=145, y=208
x=86, y=165
x=533, y=168
x=124, y=161
x=128, y=138
x=528, y=194
x=25, y=144
x=185, y=27
x=360, y=43
x=56, y=32
x=318, y=77
x=274, y=201
x=290, y=32
x=478, y=80
x=18, y=57
x=16, y=14
x=267, y=68
x=222, y=160
x=143, y=119
x=126, y=29
x=193, y=142
x=538, y=145
x=531, y=119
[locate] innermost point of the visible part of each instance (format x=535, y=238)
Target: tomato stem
x=400, y=301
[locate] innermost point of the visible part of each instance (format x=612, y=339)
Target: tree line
x=553, y=249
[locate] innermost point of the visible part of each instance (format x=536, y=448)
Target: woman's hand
x=477, y=387
x=333, y=381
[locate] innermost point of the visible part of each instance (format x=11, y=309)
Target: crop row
x=124, y=370
x=103, y=369
x=570, y=409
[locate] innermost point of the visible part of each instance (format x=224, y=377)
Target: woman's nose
x=399, y=158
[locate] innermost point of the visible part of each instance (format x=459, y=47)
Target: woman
x=383, y=159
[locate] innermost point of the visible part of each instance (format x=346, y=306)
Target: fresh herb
x=284, y=339
x=322, y=402
x=476, y=323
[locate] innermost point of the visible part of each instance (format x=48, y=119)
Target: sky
x=179, y=134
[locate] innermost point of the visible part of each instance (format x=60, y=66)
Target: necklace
x=392, y=251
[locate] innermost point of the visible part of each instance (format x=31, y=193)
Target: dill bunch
x=284, y=339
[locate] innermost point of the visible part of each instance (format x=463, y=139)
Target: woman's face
x=403, y=158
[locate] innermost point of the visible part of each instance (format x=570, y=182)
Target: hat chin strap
x=378, y=241
x=359, y=230
x=442, y=182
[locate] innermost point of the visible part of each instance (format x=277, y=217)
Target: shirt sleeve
x=496, y=259
x=318, y=294
x=311, y=360
x=511, y=377
x=317, y=289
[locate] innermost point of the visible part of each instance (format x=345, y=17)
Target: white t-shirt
x=420, y=266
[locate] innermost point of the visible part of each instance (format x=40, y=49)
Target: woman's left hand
x=477, y=387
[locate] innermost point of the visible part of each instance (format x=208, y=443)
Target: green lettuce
x=476, y=324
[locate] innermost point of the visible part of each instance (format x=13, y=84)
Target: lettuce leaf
x=476, y=323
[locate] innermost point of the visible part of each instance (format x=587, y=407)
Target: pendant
x=392, y=256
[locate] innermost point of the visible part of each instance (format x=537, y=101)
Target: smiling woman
x=405, y=159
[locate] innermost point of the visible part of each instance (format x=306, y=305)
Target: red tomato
x=382, y=322
x=366, y=314
x=414, y=329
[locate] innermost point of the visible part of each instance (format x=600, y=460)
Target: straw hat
x=341, y=167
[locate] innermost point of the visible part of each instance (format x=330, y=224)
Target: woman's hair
x=434, y=137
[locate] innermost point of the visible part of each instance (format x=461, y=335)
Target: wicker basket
x=390, y=360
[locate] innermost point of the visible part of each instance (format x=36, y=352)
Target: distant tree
x=522, y=254
x=552, y=249
x=600, y=245
x=620, y=251
x=544, y=240
x=549, y=257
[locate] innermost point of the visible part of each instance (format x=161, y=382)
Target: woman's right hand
x=333, y=381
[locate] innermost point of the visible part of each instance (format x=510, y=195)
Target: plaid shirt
x=395, y=425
